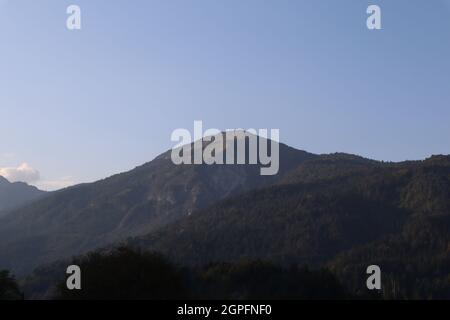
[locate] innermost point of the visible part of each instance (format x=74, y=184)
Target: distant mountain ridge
x=13, y=195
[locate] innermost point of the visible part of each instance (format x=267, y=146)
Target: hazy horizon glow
x=83, y=105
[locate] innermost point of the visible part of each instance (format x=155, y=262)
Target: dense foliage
x=9, y=289
x=125, y=274
x=394, y=215
x=128, y=274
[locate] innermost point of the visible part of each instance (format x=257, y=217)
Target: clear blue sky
x=82, y=105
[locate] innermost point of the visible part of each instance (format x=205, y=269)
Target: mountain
x=326, y=205
x=88, y=216
x=13, y=195
x=339, y=211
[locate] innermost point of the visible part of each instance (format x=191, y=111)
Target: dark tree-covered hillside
x=124, y=273
x=9, y=289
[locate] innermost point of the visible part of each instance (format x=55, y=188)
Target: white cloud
x=22, y=173
x=25, y=173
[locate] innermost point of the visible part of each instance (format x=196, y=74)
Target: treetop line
x=73, y=21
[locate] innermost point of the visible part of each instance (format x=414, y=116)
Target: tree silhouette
x=124, y=274
x=9, y=290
